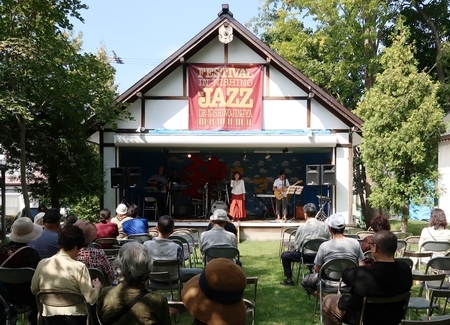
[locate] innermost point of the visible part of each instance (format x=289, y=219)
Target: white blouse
x=238, y=187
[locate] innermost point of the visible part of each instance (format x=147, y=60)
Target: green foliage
x=49, y=90
x=87, y=208
x=402, y=128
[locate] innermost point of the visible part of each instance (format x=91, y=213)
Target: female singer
x=237, y=208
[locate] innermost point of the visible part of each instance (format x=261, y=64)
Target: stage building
x=226, y=102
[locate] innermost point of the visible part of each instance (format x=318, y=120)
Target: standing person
x=384, y=278
x=105, y=228
x=279, y=188
x=160, y=182
x=63, y=272
x=237, y=208
x=312, y=229
x=47, y=244
x=114, y=305
x=120, y=218
x=437, y=231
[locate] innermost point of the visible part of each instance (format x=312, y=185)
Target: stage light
x=267, y=156
x=189, y=155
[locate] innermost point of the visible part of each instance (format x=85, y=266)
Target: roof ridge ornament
x=225, y=10
x=225, y=33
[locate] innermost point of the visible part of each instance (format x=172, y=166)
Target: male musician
x=279, y=188
x=175, y=194
x=160, y=182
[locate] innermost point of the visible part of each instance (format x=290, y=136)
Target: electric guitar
x=280, y=194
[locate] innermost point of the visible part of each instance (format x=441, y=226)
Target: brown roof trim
x=445, y=137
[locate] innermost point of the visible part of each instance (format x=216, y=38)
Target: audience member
x=63, y=272
x=377, y=224
x=93, y=257
x=437, y=231
x=217, y=235
x=70, y=219
x=16, y=254
x=215, y=295
x=312, y=229
x=120, y=218
x=161, y=248
x=47, y=244
x=384, y=278
x=38, y=217
x=338, y=247
x=105, y=228
x=136, y=225
x=134, y=266
x=229, y=226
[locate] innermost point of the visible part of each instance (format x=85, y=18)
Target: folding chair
x=402, y=234
x=188, y=235
x=412, y=243
x=166, y=276
x=416, y=256
x=176, y=308
x=364, y=234
x=111, y=253
x=332, y=270
x=19, y=275
x=420, y=302
x=406, y=260
x=401, y=247
x=150, y=204
x=60, y=298
x=107, y=242
x=435, y=247
x=436, y=295
x=250, y=305
x=187, y=251
x=309, y=248
x=440, y=264
x=286, y=239
x=443, y=321
x=354, y=236
x=404, y=297
x=212, y=252
x=97, y=274
x=141, y=238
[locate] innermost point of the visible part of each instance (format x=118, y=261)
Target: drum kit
x=216, y=197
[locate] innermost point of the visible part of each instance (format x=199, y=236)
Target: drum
x=218, y=205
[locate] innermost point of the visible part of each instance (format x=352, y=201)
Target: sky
x=145, y=32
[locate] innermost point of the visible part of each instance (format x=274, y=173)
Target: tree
x=403, y=123
x=48, y=92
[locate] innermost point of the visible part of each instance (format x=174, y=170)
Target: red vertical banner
x=225, y=97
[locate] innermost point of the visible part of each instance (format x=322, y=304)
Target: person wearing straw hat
x=217, y=235
x=120, y=218
x=215, y=295
x=23, y=231
x=93, y=257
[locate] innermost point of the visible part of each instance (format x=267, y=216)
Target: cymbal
x=322, y=197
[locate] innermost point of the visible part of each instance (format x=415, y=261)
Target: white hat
x=23, y=230
x=336, y=221
x=121, y=209
x=219, y=215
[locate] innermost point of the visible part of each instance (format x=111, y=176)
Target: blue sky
x=145, y=32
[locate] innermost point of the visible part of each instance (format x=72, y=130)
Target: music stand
x=294, y=190
x=173, y=188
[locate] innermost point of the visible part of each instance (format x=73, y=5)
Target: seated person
x=162, y=248
x=47, y=244
x=215, y=296
x=16, y=253
x=437, y=231
x=63, y=272
x=105, y=228
x=217, y=235
x=120, y=218
x=136, y=225
x=384, y=278
x=377, y=224
x=134, y=266
x=93, y=257
x=229, y=226
x=337, y=247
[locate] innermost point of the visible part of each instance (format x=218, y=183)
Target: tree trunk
x=23, y=164
x=405, y=218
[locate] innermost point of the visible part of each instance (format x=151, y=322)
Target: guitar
x=280, y=194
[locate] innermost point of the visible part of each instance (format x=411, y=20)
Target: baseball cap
x=336, y=221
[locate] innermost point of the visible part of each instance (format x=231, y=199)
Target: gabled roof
x=211, y=32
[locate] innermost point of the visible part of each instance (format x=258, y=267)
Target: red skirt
x=237, y=208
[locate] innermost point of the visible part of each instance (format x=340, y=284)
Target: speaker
x=328, y=174
x=118, y=177
x=312, y=175
x=134, y=177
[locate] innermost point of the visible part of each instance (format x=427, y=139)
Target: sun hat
x=52, y=216
x=89, y=230
x=336, y=221
x=23, y=230
x=219, y=215
x=121, y=209
x=215, y=295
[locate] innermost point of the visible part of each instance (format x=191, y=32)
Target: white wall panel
x=172, y=85
x=279, y=85
x=343, y=180
x=238, y=52
x=211, y=53
x=108, y=137
x=166, y=114
x=109, y=160
x=135, y=110
x=284, y=114
x=321, y=118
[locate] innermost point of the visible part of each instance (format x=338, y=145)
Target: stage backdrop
x=225, y=97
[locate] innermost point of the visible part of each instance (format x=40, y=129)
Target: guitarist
x=161, y=183
x=279, y=188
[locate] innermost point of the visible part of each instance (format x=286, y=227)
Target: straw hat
x=219, y=215
x=215, y=295
x=89, y=230
x=24, y=230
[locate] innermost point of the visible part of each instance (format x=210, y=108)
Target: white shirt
x=238, y=187
x=280, y=183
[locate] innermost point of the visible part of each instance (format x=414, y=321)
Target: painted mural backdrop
x=225, y=97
